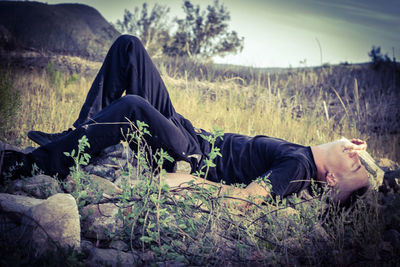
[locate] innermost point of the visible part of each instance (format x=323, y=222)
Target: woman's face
x=345, y=165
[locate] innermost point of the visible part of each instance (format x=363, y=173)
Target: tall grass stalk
x=357, y=98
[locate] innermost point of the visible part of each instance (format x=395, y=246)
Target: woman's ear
x=331, y=179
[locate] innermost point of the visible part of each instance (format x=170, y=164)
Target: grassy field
x=307, y=106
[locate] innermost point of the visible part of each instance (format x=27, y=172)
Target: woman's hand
x=356, y=145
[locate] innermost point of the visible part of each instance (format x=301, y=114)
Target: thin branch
x=282, y=208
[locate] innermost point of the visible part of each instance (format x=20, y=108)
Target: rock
x=17, y=204
x=183, y=167
x=101, y=170
x=123, y=179
x=40, y=186
x=86, y=247
x=111, y=257
x=116, y=156
x=93, y=185
x=55, y=221
x=110, y=160
x=121, y=150
x=372, y=168
x=147, y=256
x=104, y=185
x=13, y=208
x=40, y=224
x=100, y=220
x=119, y=245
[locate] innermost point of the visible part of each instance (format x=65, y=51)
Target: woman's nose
x=354, y=156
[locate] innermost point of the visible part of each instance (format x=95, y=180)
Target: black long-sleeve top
x=288, y=166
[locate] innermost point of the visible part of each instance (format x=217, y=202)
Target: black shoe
x=15, y=165
x=42, y=138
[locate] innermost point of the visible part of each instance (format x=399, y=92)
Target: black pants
x=103, y=117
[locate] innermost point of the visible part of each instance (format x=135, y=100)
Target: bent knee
x=133, y=101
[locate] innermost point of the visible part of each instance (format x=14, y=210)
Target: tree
x=203, y=34
x=152, y=28
x=377, y=58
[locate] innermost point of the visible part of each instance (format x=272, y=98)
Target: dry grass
x=278, y=105
x=253, y=109
x=45, y=106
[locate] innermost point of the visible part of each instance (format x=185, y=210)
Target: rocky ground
x=41, y=215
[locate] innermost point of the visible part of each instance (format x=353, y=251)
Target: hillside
x=66, y=29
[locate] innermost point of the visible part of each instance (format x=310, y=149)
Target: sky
x=292, y=33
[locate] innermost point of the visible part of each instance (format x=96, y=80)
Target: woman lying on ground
x=105, y=116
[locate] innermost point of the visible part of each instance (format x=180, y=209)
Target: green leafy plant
x=80, y=159
x=214, y=152
x=82, y=185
